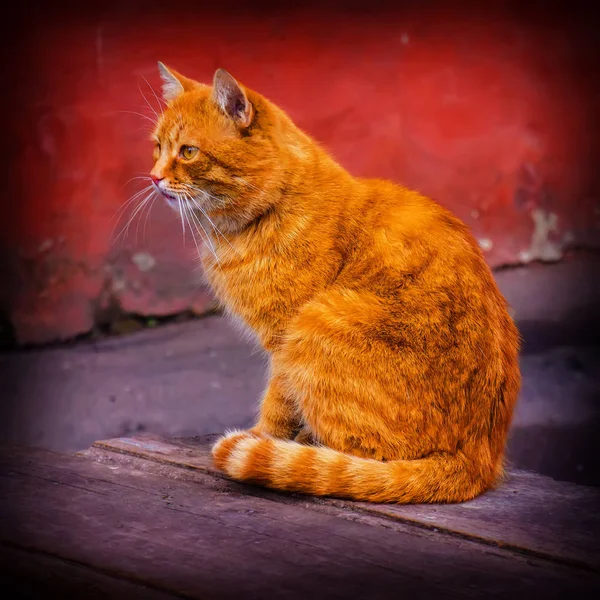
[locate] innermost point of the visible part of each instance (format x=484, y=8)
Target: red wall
x=493, y=115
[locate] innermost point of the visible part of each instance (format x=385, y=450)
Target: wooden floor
x=148, y=518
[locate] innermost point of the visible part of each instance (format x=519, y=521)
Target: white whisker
x=148, y=103
x=198, y=231
x=131, y=112
x=196, y=220
x=194, y=200
x=181, y=215
x=145, y=177
x=137, y=210
x=220, y=201
x=120, y=210
x=149, y=204
x=206, y=238
x=247, y=183
x=157, y=98
x=216, y=229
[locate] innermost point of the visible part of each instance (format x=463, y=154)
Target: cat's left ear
x=174, y=84
x=232, y=99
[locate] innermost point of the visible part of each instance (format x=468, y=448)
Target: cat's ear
x=174, y=84
x=232, y=99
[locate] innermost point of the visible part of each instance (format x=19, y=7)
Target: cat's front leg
x=279, y=415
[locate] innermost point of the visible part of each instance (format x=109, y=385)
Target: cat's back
x=418, y=279
x=400, y=225
x=407, y=245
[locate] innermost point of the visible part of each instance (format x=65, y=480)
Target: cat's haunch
x=393, y=360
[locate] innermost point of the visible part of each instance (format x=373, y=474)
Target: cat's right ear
x=232, y=99
x=174, y=84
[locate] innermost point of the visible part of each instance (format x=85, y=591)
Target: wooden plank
x=209, y=540
x=33, y=575
x=528, y=513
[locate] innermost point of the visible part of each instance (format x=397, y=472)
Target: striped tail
x=319, y=471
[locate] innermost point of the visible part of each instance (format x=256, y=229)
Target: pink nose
x=155, y=179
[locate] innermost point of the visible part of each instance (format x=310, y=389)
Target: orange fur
x=393, y=360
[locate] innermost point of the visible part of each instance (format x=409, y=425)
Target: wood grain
x=527, y=513
x=208, y=538
x=31, y=575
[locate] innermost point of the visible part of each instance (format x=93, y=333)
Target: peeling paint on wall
x=542, y=246
x=144, y=261
x=485, y=244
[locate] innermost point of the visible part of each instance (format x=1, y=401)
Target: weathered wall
x=492, y=114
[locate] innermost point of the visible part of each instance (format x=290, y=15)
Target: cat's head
x=217, y=148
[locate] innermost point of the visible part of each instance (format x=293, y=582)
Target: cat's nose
x=155, y=178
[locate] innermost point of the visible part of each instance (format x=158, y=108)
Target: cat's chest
x=252, y=284
x=266, y=289
x=241, y=282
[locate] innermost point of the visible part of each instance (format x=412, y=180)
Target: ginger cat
x=393, y=361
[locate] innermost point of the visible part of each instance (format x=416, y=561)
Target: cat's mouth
x=169, y=197
x=185, y=201
x=176, y=202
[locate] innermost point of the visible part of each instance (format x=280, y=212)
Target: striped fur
x=320, y=471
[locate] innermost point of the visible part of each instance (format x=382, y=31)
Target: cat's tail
x=316, y=470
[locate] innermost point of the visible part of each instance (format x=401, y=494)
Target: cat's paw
x=225, y=446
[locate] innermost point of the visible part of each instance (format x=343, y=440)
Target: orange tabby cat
x=393, y=361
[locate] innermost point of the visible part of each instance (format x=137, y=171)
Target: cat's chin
x=179, y=204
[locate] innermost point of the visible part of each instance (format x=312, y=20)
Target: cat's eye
x=156, y=152
x=188, y=152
